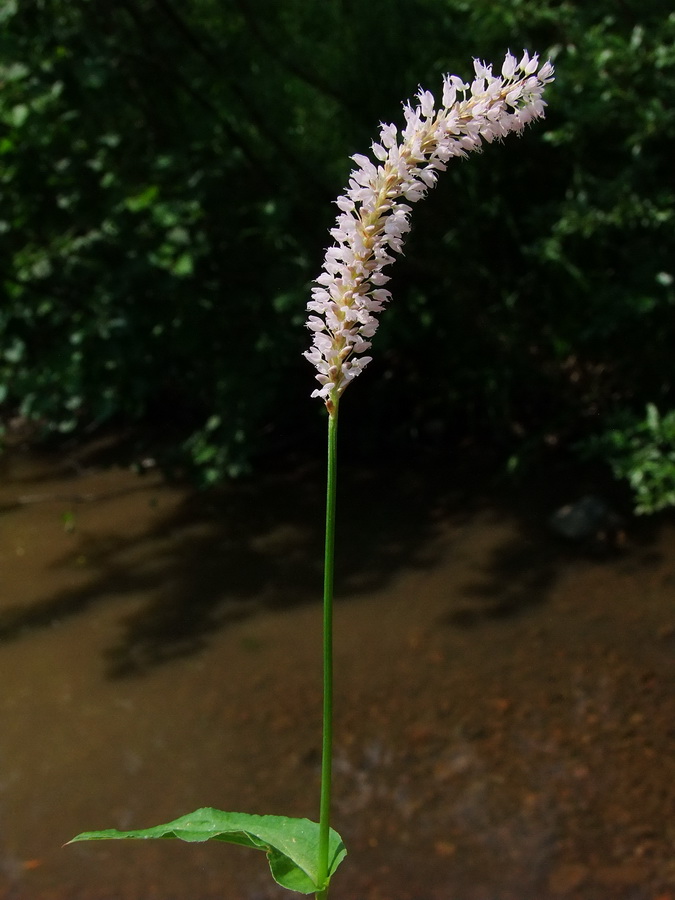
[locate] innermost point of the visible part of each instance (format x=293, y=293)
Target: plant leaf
x=291, y=845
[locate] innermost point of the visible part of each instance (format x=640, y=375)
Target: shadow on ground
x=216, y=558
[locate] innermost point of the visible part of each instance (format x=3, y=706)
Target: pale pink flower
x=374, y=210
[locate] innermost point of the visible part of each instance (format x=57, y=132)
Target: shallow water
x=505, y=719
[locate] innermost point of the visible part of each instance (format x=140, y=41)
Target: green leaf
x=18, y=115
x=291, y=845
x=183, y=265
x=141, y=201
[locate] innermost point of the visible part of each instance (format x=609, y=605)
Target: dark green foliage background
x=166, y=178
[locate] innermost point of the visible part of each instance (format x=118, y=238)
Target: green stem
x=327, y=741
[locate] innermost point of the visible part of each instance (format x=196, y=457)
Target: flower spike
x=374, y=209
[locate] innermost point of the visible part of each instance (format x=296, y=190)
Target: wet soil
x=505, y=703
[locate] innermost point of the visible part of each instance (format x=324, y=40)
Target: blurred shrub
x=166, y=177
x=641, y=451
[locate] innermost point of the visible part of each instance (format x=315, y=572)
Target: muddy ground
x=505, y=703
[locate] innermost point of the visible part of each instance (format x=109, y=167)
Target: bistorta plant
x=349, y=294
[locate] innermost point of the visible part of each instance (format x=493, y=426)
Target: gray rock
x=588, y=519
